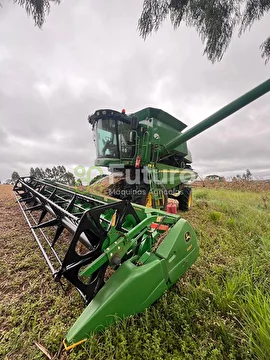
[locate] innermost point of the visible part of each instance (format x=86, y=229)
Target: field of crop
x=220, y=309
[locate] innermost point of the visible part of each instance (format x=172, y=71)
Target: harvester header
x=120, y=257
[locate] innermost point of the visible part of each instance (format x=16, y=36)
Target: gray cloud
x=89, y=55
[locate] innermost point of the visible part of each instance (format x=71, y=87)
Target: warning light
x=123, y=111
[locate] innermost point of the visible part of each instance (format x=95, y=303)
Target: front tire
x=185, y=199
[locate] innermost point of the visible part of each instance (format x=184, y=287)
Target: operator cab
x=113, y=134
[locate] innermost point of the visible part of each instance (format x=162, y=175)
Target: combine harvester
x=121, y=256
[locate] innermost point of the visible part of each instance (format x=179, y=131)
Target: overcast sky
x=89, y=55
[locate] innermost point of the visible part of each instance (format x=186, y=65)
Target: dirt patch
x=32, y=306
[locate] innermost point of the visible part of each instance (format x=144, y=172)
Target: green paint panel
x=160, y=115
x=179, y=249
x=171, y=176
x=129, y=290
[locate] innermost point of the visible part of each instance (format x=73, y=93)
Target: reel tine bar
x=81, y=216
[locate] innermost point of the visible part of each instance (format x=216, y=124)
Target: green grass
x=220, y=309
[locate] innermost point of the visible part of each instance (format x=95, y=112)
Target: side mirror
x=134, y=123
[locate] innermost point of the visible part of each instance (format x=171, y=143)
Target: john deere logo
x=187, y=236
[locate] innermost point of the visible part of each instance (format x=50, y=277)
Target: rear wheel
x=185, y=199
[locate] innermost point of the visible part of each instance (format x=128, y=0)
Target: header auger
x=120, y=255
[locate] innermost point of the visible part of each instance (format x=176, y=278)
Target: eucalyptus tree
x=215, y=21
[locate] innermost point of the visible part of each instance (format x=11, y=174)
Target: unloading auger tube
x=121, y=257
x=219, y=115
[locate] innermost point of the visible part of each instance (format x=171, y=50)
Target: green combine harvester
x=135, y=148
x=149, y=152
x=121, y=255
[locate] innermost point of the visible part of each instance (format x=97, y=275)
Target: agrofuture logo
x=133, y=176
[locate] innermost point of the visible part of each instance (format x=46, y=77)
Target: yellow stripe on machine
x=73, y=345
x=177, y=171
